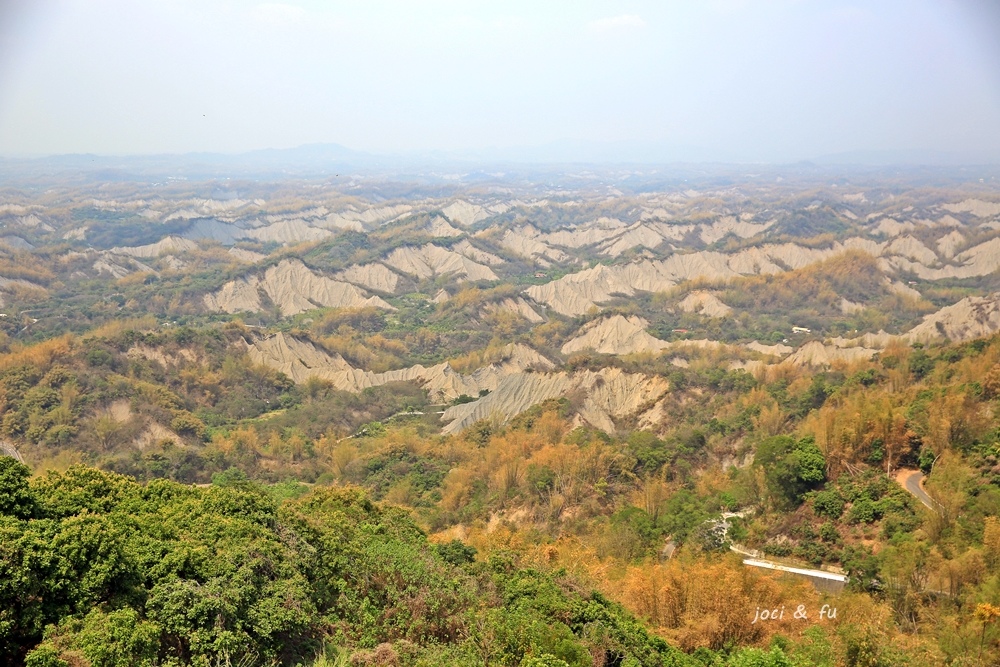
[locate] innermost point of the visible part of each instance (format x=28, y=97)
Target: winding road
x=913, y=481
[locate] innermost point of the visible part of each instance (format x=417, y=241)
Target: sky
x=735, y=80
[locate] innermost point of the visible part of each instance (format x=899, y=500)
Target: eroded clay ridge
x=577, y=293
x=431, y=260
x=613, y=237
x=293, y=288
x=517, y=307
x=609, y=394
x=301, y=359
x=166, y=245
x=972, y=317
x=615, y=335
x=704, y=303
x=373, y=276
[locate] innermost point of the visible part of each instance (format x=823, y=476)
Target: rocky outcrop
x=704, y=303
x=615, y=335
x=609, y=394
x=972, y=317
x=372, y=276
x=293, y=288
x=431, y=260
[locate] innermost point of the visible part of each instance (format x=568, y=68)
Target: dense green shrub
x=97, y=567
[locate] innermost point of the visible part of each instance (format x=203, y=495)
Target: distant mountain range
x=330, y=158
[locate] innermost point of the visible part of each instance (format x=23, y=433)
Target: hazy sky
x=757, y=80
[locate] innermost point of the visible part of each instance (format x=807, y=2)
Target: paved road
x=911, y=481
x=824, y=580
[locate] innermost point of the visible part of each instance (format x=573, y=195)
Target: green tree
x=791, y=468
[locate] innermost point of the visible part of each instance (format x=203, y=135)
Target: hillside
x=536, y=418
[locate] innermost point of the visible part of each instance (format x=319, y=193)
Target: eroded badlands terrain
x=492, y=297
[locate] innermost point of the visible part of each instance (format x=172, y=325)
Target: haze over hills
x=329, y=158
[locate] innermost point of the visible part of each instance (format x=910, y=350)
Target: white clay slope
x=288, y=232
x=301, y=360
x=372, y=276
x=431, y=260
x=609, y=393
x=298, y=359
x=463, y=213
x=465, y=248
x=972, y=317
x=293, y=288
x=730, y=225
x=516, y=306
x=577, y=293
x=640, y=235
x=704, y=303
x=815, y=353
x=438, y=227
x=949, y=243
x=615, y=335
x=355, y=220
x=524, y=242
x=977, y=207
x=166, y=245
x=246, y=256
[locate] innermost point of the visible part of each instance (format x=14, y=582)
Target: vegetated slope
x=801, y=457
x=114, y=572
